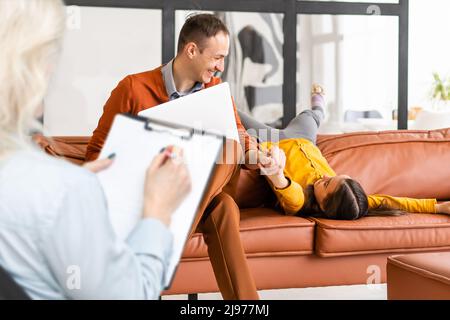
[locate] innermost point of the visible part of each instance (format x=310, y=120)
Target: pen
x=168, y=152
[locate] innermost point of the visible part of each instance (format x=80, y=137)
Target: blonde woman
x=55, y=237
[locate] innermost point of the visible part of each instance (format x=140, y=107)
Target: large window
x=279, y=47
x=355, y=58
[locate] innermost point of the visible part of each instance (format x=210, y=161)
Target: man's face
x=211, y=58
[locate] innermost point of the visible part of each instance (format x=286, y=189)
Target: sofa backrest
x=399, y=163
x=71, y=148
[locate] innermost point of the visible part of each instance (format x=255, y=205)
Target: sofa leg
x=193, y=296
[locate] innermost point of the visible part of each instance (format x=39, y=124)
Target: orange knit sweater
x=138, y=92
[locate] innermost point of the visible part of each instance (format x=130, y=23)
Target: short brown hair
x=199, y=27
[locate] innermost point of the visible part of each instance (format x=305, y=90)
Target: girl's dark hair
x=348, y=202
x=311, y=207
x=199, y=27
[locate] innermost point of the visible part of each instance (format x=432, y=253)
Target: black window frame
x=290, y=9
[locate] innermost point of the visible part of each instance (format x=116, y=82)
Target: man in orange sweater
x=202, y=47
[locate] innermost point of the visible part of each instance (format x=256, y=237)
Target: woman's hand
x=98, y=165
x=443, y=207
x=166, y=185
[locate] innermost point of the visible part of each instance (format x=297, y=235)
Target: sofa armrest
x=71, y=148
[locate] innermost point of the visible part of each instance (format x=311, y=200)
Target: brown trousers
x=218, y=219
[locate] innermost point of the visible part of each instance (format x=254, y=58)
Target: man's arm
x=118, y=102
x=249, y=144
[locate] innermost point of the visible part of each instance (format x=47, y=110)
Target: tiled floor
x=358, y=292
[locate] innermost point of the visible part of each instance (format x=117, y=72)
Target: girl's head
x=338, y=197
x=30, y=34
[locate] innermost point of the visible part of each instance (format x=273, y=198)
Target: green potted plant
x=440, y=92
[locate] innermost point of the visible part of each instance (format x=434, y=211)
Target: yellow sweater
x=305, y=164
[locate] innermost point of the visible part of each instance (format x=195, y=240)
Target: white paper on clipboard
x=209, y=109
x=136, y=141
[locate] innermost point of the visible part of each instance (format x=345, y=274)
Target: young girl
x=304, y=182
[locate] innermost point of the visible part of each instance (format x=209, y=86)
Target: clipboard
x=136, y=140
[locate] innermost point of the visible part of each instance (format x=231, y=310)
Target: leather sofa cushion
x=252, y=190
x=399, y=163
x=409, y=232
x=264, y=232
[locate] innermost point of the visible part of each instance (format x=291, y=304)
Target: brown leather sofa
x=294, y=252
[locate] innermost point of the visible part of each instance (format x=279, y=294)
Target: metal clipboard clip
x=181, y=132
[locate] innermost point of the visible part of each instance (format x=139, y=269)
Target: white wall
x=429, y=47
x=101, y=47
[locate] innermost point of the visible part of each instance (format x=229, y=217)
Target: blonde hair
x=30, y=37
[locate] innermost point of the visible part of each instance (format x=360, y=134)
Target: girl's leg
x=260, y=130
x=306, y=123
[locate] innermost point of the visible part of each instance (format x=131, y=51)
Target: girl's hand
x=276, y=161
x=98, y=165
x=274, y=167
x=443, y=207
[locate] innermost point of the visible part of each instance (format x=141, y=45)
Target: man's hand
x=271, y=163
x=254, y=158
x=443, y=207
x=251, y=159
